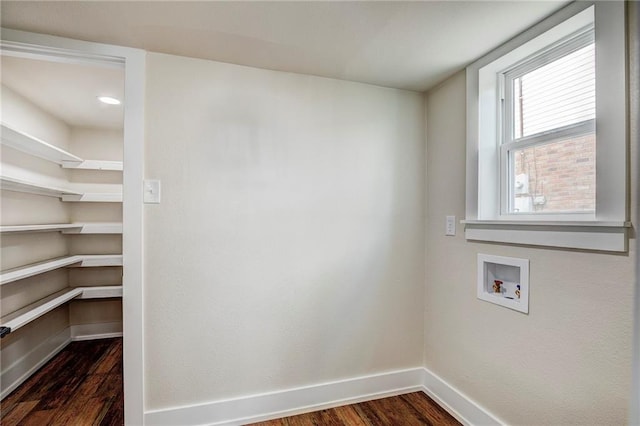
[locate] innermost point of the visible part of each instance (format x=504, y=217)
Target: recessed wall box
x=504, y=281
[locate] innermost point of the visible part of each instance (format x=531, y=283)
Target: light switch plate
x=151, y=191
x=450, y=228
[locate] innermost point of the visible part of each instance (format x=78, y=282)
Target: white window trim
x=607, y=230
x=582, y=37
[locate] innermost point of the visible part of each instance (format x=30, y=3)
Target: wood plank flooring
x=412, y=409
x=82, y=385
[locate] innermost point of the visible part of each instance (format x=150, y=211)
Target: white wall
x=96, y=144
x=288, y=249
x=21, y=113
x=569, y=360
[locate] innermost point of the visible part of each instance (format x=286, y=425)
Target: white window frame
x=508, y=143
x=607, y=228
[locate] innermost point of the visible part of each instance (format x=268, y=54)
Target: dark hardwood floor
x=82, y=385
x=412, y=409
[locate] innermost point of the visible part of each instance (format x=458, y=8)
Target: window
x=546, y=134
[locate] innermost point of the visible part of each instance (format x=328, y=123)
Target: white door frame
x=633, y=25
x=74, y=51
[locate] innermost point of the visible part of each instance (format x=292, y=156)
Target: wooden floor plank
x=369, y=416
x=413, y=409
x=110, y=361
x=19, y=412
x=112, y=412
x=39, y=418
x=82, y=385
x=424, y=404
x=349, y=416
x=80, y=411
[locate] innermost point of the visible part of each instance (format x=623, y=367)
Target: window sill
x=583, y=235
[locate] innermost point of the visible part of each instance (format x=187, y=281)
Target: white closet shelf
x=102, y=197
x=80, y=261
x=31, y=145
x=100, y=292
x=52, y=227
x=67, y=228
x=19, y=185
x=35, y=310
x=93, y=165
x=27, y=271
x=94, y=228
x=97, y=260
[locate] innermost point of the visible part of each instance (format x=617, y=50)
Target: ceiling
x=67, y=91
x=408, y=45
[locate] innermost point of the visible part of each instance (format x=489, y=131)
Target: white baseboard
x=290, y=402
x=266, y=406
x=272, y=405
x=463, y=408
x=103, y=330
x=22, y=369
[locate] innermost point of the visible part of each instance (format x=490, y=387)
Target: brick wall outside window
x=562, y=172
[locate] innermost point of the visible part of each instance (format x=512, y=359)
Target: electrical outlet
x=450, y=228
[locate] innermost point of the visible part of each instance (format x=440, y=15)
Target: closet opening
x=71, y=270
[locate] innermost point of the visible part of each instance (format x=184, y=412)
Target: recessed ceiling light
x=109, y=100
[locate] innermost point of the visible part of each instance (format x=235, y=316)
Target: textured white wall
x=289, y=246
x=22, y=114
x=96, y=144
x=569, y=360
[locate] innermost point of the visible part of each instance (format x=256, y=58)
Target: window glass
x=555, y=177
x=549, y=145
x=555, y=95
